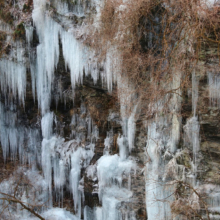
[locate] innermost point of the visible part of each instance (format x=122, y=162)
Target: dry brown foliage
x=158, y=40
x=186, y=205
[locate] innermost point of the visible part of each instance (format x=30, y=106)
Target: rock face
x=76, y=140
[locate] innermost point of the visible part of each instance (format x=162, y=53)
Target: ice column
x=195, y=96
x=80, y=158
x=192, y=127
x=47, y=53
x=156, y=189
x=175, y=109
x=74, y=56
x=128, y=108
x=111, y=170
x=47, y=145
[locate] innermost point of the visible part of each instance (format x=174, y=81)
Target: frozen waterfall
x=73, y=156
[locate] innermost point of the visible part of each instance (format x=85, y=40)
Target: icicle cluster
x=13, y=74
x=16, y=138
x=111, y=171
x=214, y=88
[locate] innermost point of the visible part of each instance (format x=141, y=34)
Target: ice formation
x=14, y=136
x=75, y=54
x=214, y=88
x=162, y=142
x=192, y=139
x=156, y=202
x=29, y=34
x=62, y=160
x=111, y=172
x=128, y=108
x=79, y=60
x=192, y=128
x=47, y=53
x=13, y=78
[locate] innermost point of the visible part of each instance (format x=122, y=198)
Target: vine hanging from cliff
x=156, y=40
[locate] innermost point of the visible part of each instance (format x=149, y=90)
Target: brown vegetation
x=187, y=206
x=157, y=41
x=160, y=43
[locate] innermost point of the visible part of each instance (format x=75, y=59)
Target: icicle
x=47, y=53
x=73, y=55
x=214, y=88
x=192, y=128
x=59, y=178
x=132, y=128
x=123, y=148
x=14, y=136
x=128, y=108
x=29, y=35
x=47, y=165
x=191, y=138
x=62, y=7
x=88, y=213
x=47, y=125
x=74, y=179
x=47, y=146
x=174, y=105
x=175, y=133
x=108, y=142
x=76, y=165
x=109, y=70
x=13, y=79
x=76, y=55
x=112, y=68
x=5, y=27
x=111, y=169
x=194, y=92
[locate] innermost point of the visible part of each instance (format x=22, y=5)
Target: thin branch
x=15, y=200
